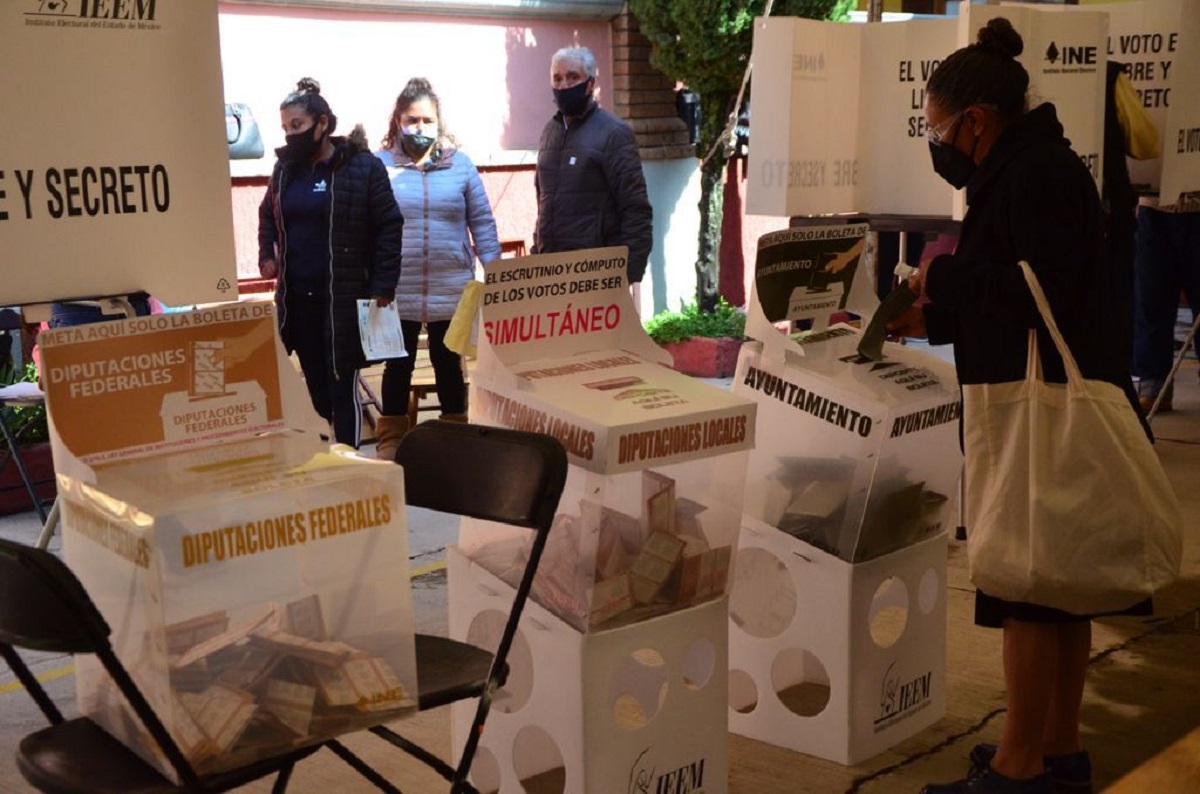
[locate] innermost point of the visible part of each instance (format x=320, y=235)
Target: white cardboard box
x=636, y=708
x=649, y=518
x=831, y=659
x=255, y=579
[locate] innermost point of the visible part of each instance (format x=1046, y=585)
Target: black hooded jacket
x=1030, y=199
x=365, y=232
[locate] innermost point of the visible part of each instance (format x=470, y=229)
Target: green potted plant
x=704, y=344
x=29, y=425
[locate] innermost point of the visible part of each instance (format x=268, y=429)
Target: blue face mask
x=573, y=101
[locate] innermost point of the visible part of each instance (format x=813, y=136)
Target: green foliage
x=689, y=321
x=28, y=421
x=706, y=45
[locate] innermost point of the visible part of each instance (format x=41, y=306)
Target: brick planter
x=37, y=459
x=705, y=357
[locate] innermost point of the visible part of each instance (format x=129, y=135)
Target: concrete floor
x=1143, y=689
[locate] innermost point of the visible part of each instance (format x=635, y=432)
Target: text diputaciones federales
x=286, y=530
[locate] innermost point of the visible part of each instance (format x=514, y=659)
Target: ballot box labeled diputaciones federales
x=254, y=578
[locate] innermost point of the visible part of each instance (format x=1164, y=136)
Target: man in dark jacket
x=590, y=188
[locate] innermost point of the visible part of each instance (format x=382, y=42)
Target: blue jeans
x=64, y=315
x=1167, y=261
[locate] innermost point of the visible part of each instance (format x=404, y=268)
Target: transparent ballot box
x=257, y=592
x=865, y=458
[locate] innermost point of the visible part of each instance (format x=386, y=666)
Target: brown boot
x=389, y=430
x=461, y=418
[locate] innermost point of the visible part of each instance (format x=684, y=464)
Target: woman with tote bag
x=1028, y=300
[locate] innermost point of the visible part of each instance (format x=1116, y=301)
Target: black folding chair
x=43, y=607
x=488, y=473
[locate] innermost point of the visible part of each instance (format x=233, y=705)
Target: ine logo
x=1071, y=55
x=811, y=64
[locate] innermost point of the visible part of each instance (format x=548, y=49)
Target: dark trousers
x=334, y=398
x=1168, y=260
x=447, y=371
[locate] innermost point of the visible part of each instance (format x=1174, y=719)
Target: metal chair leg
x=51, y=524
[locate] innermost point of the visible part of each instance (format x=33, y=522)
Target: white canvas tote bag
x=1067, y=503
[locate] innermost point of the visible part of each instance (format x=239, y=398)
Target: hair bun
x=307, y=85
x=1000, y=37
x=418, y=85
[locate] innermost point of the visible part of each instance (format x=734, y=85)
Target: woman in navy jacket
x=1030, y=198
x=329, y=231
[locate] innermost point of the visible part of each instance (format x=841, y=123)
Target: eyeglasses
x=937, y=135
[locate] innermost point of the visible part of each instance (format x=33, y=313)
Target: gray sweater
x=440, y=201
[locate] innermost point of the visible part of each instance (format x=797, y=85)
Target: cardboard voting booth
x=844, y=129
x=837, y=603
x=637, y=564
x=1158, y=41
x=116, y=179
x=255, y=579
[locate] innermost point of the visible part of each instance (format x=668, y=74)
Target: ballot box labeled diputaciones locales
x=650, y=515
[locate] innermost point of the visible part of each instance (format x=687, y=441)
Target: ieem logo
x=128, y=10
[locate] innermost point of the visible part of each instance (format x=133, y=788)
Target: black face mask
x=951, y=164
x=573, y=101
x=417, y=144
x=302, y=146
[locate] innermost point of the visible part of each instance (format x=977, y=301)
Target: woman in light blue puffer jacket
x=441, y=198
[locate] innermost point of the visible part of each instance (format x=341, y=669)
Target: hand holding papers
x=379, y=327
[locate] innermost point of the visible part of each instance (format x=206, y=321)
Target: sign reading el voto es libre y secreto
x=114, y=173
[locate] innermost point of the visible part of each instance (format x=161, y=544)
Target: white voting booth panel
x=637, y=708
x=254, y=578
x=649, y=518
x=831, y=659
x=117, y=177
x=1159, y=43
x=844, y=128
